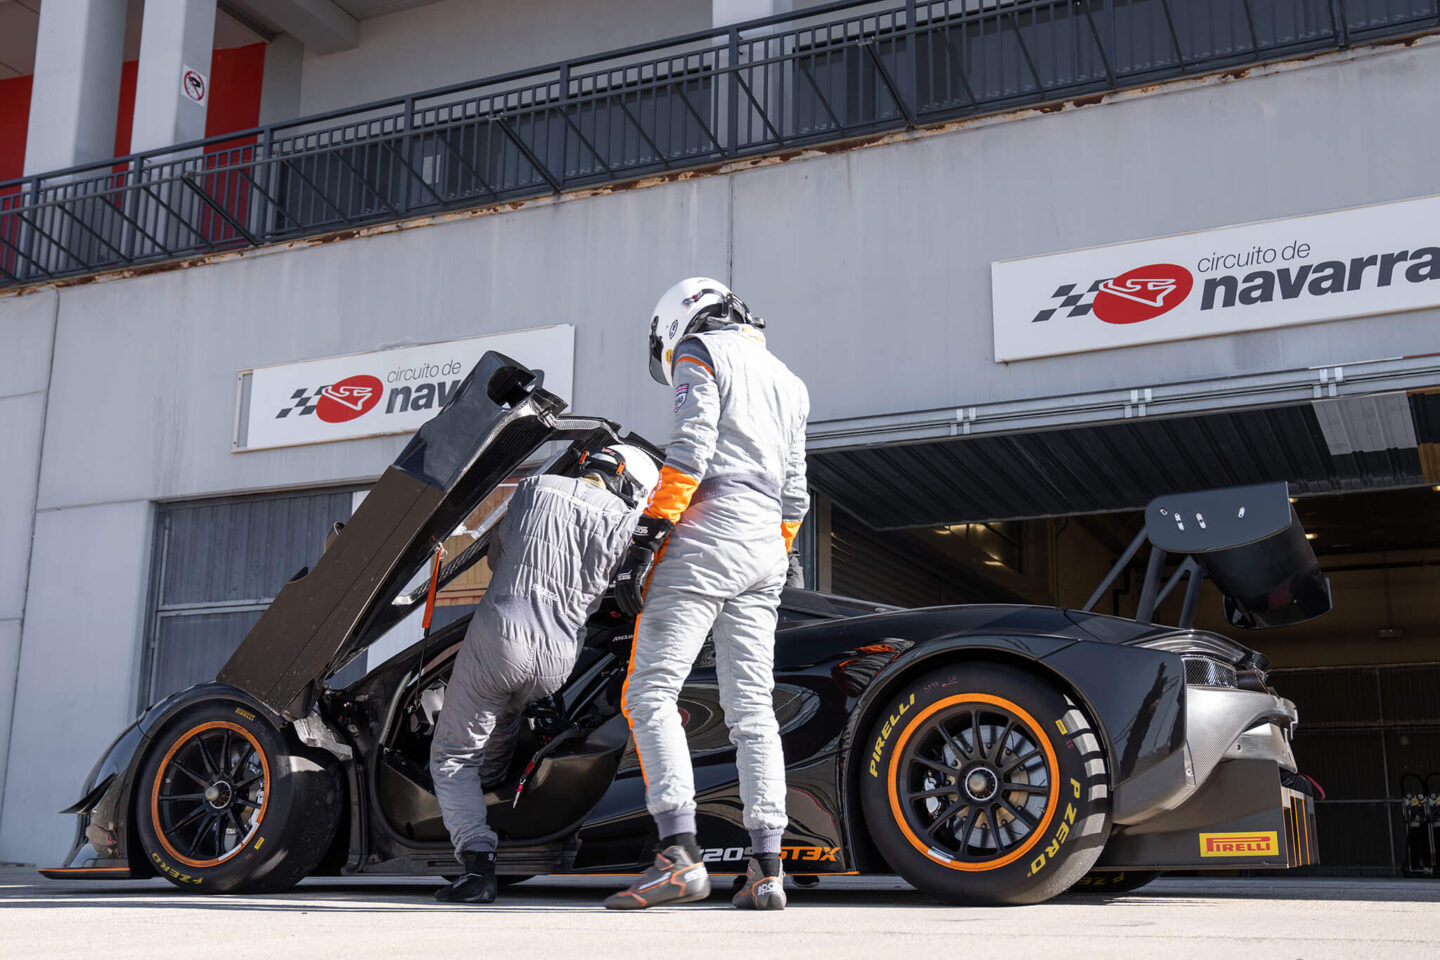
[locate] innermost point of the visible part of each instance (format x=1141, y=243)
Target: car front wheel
x=226, y=804
x=984, y=784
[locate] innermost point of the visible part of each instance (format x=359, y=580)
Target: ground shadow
x=350, y=897
x=551, y=895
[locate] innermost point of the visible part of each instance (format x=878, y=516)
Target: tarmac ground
x=869, y=917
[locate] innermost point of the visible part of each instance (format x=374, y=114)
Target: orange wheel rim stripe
x=155, y=791
x=1034, y=729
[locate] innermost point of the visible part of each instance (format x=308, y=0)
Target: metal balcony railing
x=825, y=74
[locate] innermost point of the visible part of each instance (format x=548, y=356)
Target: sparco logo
x=1140, y=294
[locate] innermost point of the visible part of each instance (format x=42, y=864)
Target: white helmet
x=626, y=471
x=688, y=307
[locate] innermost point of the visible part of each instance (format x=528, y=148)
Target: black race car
x=987, y=754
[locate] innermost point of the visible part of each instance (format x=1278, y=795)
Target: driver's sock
x=765, y=847
x=686, y=841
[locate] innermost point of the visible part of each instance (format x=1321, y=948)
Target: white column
x=280, y=85
x=173, y=81
x=725, y=12
x=77, y=84
x=764, y=81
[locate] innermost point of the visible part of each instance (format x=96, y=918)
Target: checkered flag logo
x=304, y=401
x=1076, y=304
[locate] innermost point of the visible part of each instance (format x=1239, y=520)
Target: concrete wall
x=872, y=265
x=455, y=41
x=26, y=329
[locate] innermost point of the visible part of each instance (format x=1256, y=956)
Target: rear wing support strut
x=1116, y=570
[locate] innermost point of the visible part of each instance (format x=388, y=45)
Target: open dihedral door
x=1247, y=540
x=496, y=419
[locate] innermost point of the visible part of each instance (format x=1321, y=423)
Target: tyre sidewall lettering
x=891, y=724
x=1062, y=832
x=171, y=872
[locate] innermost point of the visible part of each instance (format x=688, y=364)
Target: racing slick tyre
x=1122, y=881
x=226, y=804
x=984, y=784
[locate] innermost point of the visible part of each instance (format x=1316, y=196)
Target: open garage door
x=1359, y=443
x=1041, y=516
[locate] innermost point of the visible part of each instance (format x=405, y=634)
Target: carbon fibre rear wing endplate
x=1247, y=540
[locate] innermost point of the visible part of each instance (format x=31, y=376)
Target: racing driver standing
x=710, y=551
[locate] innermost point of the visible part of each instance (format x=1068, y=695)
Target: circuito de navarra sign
x=386, y=392
x=1330, y=266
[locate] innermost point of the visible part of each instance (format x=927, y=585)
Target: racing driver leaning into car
x=552, y=557
x=710, y=551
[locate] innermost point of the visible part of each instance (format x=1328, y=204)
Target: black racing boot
x=477, y=884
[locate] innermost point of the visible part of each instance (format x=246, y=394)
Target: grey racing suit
x=734, y=485
x=552, y=557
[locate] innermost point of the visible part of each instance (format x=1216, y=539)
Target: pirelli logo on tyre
x=1254, y=844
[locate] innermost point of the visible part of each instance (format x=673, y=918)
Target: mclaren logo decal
x=1253, y=844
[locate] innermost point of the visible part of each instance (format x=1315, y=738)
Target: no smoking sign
x=194, y=85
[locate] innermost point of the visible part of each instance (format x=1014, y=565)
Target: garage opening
x=1041, y=517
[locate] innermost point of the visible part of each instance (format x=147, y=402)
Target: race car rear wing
x=1247, y=540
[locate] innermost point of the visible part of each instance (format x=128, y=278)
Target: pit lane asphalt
x=868, y=918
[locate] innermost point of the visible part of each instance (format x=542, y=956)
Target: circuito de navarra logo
x=348, y=398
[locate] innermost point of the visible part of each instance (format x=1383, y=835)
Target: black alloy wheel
x=227, y=802
x=210, y=797
x=977, y=782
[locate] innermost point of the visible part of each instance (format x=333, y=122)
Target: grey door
x=217, y=564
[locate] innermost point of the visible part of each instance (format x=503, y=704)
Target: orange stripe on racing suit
x=698, y=362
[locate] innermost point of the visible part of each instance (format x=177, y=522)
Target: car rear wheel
x=984, y=784
x=226, y=804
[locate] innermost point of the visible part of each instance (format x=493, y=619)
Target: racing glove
x=650, y=536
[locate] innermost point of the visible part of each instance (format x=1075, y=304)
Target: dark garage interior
x=1365, y=677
